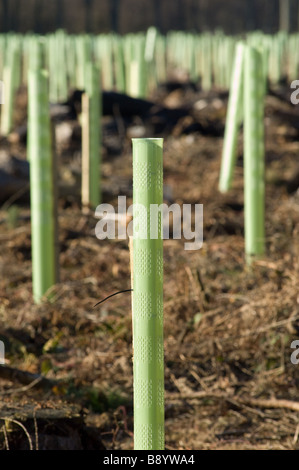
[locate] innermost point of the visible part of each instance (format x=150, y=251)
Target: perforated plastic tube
x=148, y=296
x=254, y=154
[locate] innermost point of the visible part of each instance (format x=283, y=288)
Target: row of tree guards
x=146, y=253
x=246, y=105
x=248, y=85
x=135, y=63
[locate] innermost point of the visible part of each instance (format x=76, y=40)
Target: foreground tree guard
x=147, y=296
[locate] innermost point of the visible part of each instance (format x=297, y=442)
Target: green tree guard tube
x=9, y=74
x=233, y=121
x=41, y=185
x=254, y=154
x=119, y=66
x=93, y=92
x=148, y=295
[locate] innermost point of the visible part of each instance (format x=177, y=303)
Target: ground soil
x=229, y=379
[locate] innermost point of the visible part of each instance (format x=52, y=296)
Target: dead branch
x=256, y=402
x=26, y=378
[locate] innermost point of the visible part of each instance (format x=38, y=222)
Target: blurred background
x=123, y=16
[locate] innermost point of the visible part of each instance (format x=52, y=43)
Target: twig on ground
x=35, y=430
x=5, y=436
x=257, y=402
x=23, y=427
x=26, y=378
x=21, y=389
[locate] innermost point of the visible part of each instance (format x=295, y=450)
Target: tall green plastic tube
x=9, y=76
x=93, y=91
x=233, y=121
x=254, y=154
x=120, y=80
x=41, y=185
x=148, y=296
